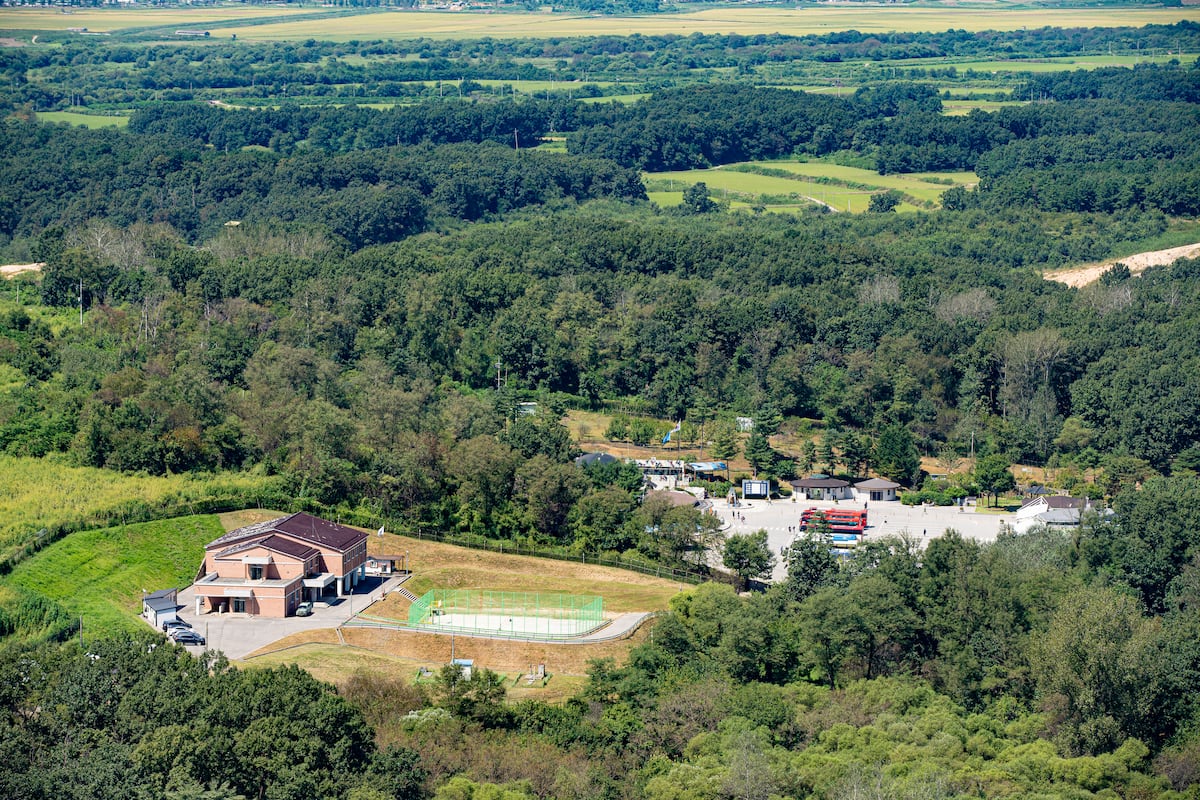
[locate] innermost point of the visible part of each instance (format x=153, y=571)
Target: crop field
x=100, y=574
x=86, y=120
x=1056, y=64
x=959, y=108
x=392, y=24
x=97, y=20
x=843, y=188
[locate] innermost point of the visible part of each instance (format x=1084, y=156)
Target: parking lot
x=883, y=518
x=238, y=635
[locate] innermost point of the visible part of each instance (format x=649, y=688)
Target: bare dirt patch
x=9, y=270
x=1082, y=276
x=415, y=649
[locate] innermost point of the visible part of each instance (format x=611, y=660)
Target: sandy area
x=1082, y=276
x=9, y=270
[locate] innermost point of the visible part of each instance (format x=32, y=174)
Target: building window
x=256, y=572
x=239, y=605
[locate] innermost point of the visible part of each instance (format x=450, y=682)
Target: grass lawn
x=86, y=120
x=101, y=574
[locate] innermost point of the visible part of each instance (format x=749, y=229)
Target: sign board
x=756, y=488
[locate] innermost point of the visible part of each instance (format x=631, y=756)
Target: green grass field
x=777, y=192
x=100, y=574
x=390, y=24
x=86, y=120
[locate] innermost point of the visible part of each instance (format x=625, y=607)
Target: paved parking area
x=883, y=518
x=238, y=635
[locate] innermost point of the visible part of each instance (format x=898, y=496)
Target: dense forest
x=355, y=300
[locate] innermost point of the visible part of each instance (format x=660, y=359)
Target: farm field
x=103, y=20
x=748, y=21
x=730, y=183
x=100, y=574
x=959, y=108
x=86, y=120
x=1054, y=64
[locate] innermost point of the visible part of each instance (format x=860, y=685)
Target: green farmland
x=275, y=23
x=86, y=120
x=840, y=187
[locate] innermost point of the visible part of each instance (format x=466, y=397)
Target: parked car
x=305, y=609
x=175, y=623
x=184, y=636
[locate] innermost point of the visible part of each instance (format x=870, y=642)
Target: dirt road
x=1082, y=276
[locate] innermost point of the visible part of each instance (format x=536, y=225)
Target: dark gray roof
x=587, y=459
x=160, y=603
x=161, y=593
x=876, y=483
x=303, y=527
x=820, y=483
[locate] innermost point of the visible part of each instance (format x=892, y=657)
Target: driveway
x=238, y=635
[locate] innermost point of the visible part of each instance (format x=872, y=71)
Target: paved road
x=781, y=519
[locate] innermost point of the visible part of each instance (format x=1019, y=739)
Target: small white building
x=160, y=607
x=876, y=489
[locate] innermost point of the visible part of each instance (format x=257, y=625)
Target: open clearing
x=444, y=566
x=403, y=652
x=818, y=181
x=86, y=120
x=1139, y=262
x=392, y=24
x=11, y=270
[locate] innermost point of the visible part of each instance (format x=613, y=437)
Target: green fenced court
x=521, y=615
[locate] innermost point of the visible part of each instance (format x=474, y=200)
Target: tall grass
x=43, y=499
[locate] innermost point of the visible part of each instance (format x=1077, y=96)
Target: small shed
x=160, y=607
x=821, y=487
x=876, y=489
x=387, y=565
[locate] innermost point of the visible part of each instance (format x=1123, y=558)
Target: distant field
x=101, y=574
x=97, y=20
x=1056, y=64
x=728, y=183
x=86, y=120
x=959, y=108
x=386, y=24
